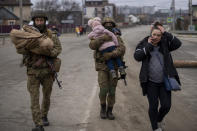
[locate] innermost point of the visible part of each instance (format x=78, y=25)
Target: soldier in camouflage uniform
x=39, y=73
x=106, y=83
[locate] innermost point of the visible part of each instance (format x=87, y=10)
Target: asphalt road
x=69, y=106
x=76, y=106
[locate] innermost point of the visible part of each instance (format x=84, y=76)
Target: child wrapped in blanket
x=97, y=31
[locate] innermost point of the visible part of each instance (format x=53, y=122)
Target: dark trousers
x=110, y=62
x=156, y=92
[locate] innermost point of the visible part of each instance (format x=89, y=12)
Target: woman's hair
x=157, y=23
x=155, y=26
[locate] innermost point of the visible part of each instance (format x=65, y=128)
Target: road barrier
x=3, y=37
x=185, y=64
x=185, y=32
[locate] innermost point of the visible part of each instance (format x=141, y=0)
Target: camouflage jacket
x=30, y=59
x=100, y=63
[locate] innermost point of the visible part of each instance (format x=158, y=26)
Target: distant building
x=126, y=10
x=99, y=8
x=69, y=18
x=136, y=10
x=148, y=10
x=7, y=17
x=194, y=9
x=13, y=6
x=164, y=11
x=162, y=15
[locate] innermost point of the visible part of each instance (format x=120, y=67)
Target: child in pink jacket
x=97, y=31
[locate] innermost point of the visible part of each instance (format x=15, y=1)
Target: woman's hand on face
x=152, y=41
x=161, y=28
x=156, y=35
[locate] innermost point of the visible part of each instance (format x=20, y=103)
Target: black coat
x=167, y=44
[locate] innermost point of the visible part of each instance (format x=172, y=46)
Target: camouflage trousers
x=107, y=88
x=33, y=85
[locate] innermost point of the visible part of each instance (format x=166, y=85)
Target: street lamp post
x=21, y=13
x=190, y=11
x=191, y=27
x=82, y=13
x=173, y=14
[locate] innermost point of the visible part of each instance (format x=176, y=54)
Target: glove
x=116, y=31
x=107, y=56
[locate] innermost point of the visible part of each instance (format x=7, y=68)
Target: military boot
x=45, y=121
x=38, y=128
x=110, y=115
x=122, y=72
x=103, y=111
x=113, y=74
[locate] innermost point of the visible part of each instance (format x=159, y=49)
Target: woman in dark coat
x=154, y=53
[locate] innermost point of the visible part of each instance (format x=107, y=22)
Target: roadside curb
x=190, y=38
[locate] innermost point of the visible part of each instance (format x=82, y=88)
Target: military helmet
x=109, y=20
x=39, y=14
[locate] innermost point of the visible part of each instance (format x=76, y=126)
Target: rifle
x=124, y=78
x=125, y=82
x=50, y=63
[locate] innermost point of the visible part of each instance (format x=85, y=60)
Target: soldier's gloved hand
x=105, y=38
x=115, y=53
x=107, y=56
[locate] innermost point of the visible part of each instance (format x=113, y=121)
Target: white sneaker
x=158, y=129
x=161, y=125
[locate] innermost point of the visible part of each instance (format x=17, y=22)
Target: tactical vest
x=30, y=59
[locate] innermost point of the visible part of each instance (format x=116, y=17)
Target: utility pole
x=181, y=20
x=173, y=14
x=190, y=12
x=82, y=13
x=21, y=12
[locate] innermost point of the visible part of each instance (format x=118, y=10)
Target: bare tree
x=53, y=8
x=69, y=5
x=47, y=5
x=64, y=5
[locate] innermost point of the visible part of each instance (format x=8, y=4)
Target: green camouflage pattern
x=30, y=58
x=39, y=14
x=98, y=57
x=40, y=75
x=107, y=88
x=109, y=20
x=33, y=86
x=107, y=85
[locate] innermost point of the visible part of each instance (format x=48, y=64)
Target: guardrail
x=185, y=32
x=3, y=36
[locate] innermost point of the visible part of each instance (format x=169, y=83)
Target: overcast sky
x=162, y=4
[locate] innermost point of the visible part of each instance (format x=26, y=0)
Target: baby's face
x=95, y=23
